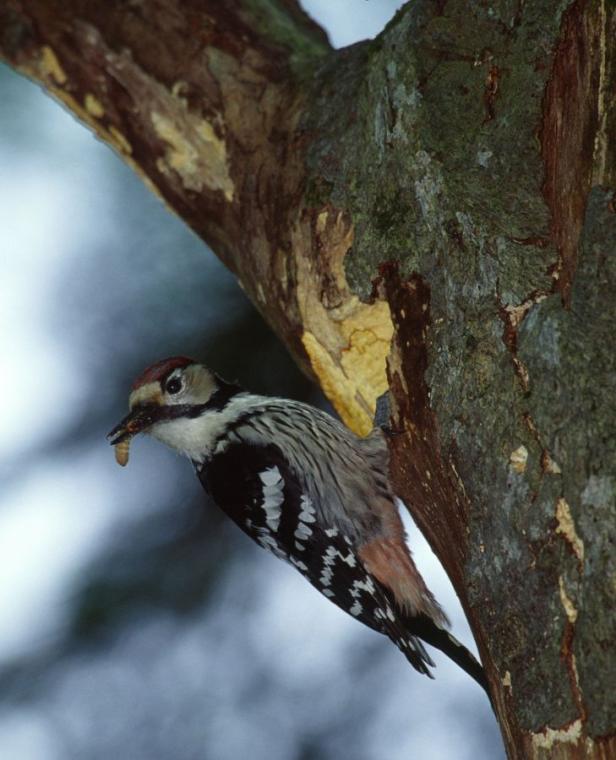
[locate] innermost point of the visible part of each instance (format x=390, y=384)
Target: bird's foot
x=383, y=414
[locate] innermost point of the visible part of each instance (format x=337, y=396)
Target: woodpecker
x=305, y=488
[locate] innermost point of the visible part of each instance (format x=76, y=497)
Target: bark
x=431, y=212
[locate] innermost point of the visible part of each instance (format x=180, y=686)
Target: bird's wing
x=257, y=488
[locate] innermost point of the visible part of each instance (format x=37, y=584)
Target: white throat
x=196, y=437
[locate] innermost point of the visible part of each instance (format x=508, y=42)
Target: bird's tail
x=425, y=628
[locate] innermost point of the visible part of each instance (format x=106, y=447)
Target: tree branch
x=442, y=199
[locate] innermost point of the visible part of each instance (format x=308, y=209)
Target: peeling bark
x=431, y=212
x=569, y=129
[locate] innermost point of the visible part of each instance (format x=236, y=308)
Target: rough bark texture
x=434, y=212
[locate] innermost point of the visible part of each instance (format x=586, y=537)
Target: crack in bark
x=428, y=482
x=566, y=651
x=491, y=91
x=512, y=317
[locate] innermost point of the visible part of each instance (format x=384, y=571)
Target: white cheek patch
x=273, y=497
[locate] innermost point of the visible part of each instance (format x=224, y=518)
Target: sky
x=85, y=269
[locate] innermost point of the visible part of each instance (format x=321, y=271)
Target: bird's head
x=170, y=400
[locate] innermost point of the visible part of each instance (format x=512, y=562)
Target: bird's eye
x=174, y=385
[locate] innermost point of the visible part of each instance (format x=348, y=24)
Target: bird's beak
x=140, y=418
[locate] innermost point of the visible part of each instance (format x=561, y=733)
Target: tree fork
x=430, y=212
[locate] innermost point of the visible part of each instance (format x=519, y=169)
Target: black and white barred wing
x=259, y=490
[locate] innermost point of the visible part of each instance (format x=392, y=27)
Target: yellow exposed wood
x=352, y=375
x=338, y=388
x=93, y=106
x=49, y=66
x=347, y=344
x=518, y=459
x=566, y=527
x=194, y=151
x=568, y=605
x=546, y=739
x=119, y=142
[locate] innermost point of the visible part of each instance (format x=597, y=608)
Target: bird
x=305, y=488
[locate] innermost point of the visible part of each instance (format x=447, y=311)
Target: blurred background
x=134, y=623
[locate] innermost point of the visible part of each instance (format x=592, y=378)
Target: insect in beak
x=136, y=421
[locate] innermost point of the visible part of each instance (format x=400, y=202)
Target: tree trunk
x=433, y=212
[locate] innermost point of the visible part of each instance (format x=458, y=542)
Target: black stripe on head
x=216, y=403
x=221, y=397
x=143, y=416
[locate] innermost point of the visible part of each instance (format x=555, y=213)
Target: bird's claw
x=383, y=415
